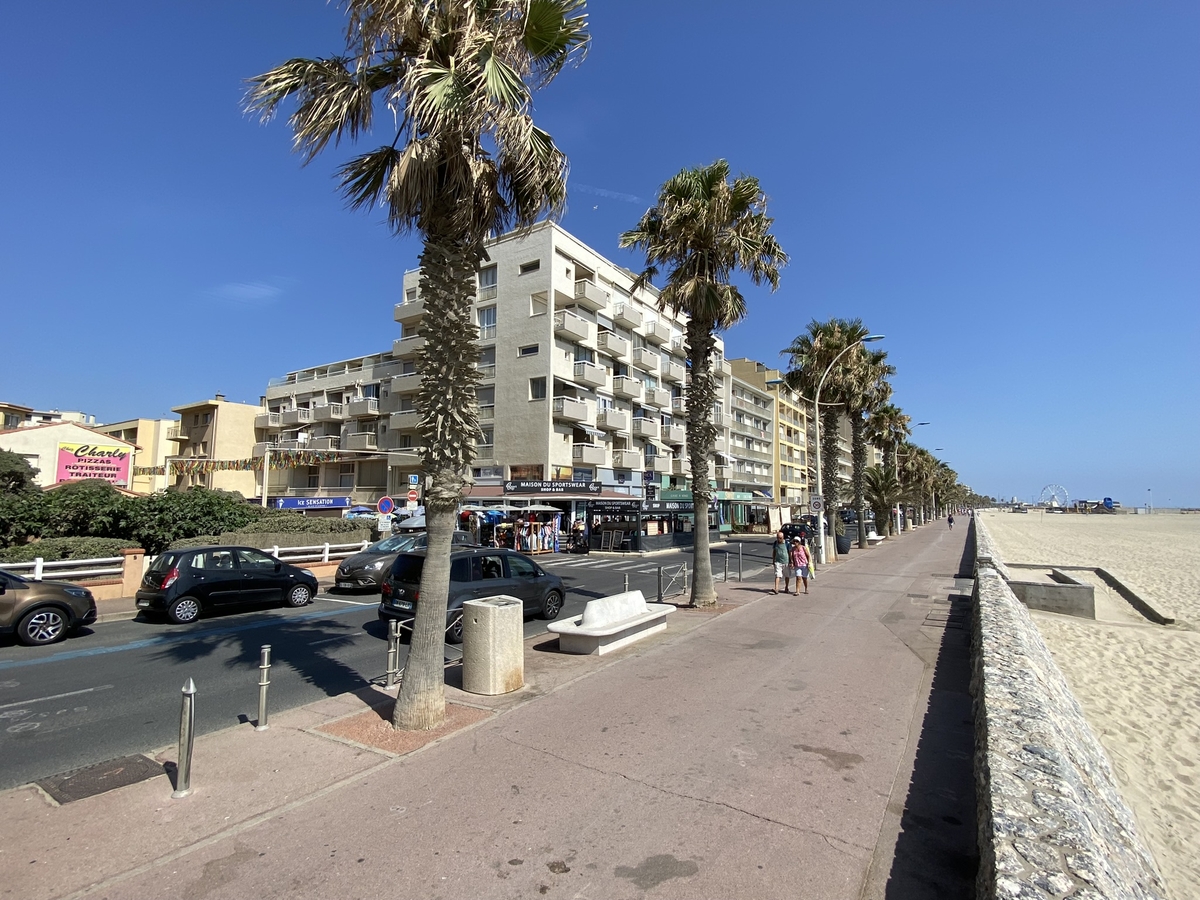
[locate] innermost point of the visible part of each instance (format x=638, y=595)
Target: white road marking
x=102, y=687
x=340, y=637
x=351, y=602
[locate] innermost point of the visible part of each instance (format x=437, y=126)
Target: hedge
x=55, y=549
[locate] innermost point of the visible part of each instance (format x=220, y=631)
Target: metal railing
x=67, y=568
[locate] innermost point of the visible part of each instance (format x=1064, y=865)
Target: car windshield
x=407, y=569
x=164, y=562
x=395, y=544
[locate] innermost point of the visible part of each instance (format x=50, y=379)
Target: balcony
x=589, y=454
x=366, y=406
x=405, y=418
x=646, y=428
x=571, y=326
x=262, y=447
x=298, y=444
x=723, y=421
x=627, y=459
x=296, y=416
x=674, y=434
x=658, y=333
x=613, y=420
x=674, y=372
x=409, y=310
x=657, y=397
x=613, y=345
x=404, y=382
x=723, y=473
x=485, y=452
x=268, y=421
x=487, y=412
x=407, y=346
x=329, y=412
x=591, y=374
x=646, y=359
x=326, y=442
x=590, y=296
x=570, y=409
x=681, y=466
x=659, y=465
x=629, y=388
x=364, y=440
x=627, y=315
x=722, y=369
x=679, y=406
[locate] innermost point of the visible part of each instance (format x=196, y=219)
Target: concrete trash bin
x=493, y=645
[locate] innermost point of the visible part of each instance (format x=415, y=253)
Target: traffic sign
x=414, y=479
x=385, y=505
x=412, y=496
x=816, y=504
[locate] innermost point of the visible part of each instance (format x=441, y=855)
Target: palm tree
x=461, y=158
x=809, y=356
x=868, y=391
x=883, y=491
x=703, y=228
x=888, y=428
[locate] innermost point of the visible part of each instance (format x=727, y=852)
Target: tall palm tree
x=888, y=428
x=883, y=491
x=703, y=228
x=809, y=356
x=461, y=158
x=868, y=391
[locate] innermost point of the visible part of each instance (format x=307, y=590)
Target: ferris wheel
x=1053, y=495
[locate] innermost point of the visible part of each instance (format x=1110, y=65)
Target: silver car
x=364, y=571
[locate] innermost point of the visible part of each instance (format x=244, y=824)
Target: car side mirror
x=278, y=566
x=3, y=589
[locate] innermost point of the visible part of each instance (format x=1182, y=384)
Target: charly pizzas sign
x=108, y=463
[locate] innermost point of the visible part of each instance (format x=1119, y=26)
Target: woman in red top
x=799, y=560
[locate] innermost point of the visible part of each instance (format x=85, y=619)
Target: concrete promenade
x=789, y=746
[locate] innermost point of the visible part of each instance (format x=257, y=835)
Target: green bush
x=203, y=540
x=279, y=522
x=55, y=549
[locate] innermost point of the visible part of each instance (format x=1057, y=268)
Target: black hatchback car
x=474, y=574
x=185, y=583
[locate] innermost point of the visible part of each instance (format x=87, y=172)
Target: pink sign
x=108, y=463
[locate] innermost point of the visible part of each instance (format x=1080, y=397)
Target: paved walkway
x=791, y=747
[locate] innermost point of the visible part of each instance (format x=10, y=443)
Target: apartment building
x=14, y=415
x=789, y=429
x=152, y=439
x=211, y=431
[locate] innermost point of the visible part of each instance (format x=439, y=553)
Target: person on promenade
x=950, y=521
x=799, y=562
x=779, y=556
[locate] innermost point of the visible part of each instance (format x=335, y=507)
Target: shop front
x=645, y=525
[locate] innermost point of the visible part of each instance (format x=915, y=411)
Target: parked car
x=474, y=573
x=42, y=612
x=365, y=570
x=797, y=529
x=185, y=583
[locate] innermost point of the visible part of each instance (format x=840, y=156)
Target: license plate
x=402, y=604
x=345, y=584
x=143, y=604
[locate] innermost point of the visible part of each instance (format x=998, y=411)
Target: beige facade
x=752, y=437
x=13, y=415
x=789, y=430
x=39, y=446
x=216, y=429
x=154, y=445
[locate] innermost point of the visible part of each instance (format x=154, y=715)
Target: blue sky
x=1010, y=191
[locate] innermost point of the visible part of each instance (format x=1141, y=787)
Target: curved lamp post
x=817, y=431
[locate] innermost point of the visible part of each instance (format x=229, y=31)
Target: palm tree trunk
x=449, y=427
x=829, y=476
x=701, y=435
x=858, y=455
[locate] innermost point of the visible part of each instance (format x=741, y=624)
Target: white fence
x=111, y=566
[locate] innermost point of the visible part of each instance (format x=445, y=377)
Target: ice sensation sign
x=108, y=463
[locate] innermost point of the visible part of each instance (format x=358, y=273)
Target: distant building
x=67, y=451
x=152, y=438
x=210, y=431
x=13, y=415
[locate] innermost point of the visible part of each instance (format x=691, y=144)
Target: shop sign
x=312, y=502
x=552, y=487
x=108, y=462
x=613, y=507
x=675, y=495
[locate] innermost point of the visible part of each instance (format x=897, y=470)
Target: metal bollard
x=187, y=735
x=726, y=567
x=626, y=587
x=739, y=563
x=393, y=653
x=660, y=584
x=685, y=578
x=264, y=681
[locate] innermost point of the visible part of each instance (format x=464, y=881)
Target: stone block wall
x=1052, y=821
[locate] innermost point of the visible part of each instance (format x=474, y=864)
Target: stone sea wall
x=1052, y=822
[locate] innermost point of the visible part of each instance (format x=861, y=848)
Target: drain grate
x=100, y=778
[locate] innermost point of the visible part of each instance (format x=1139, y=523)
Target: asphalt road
x=114, y=689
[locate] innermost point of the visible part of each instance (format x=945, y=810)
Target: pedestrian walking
x=779, y=557
x=799, y=562
x=950, y=521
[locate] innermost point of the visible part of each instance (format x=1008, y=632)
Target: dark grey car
x=474, y=574
x=365, y=570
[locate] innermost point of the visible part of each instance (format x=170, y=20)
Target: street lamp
x=817, y=429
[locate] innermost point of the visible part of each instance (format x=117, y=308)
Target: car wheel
x=552, y=605
x=183, y=610
x=299, y=595
x=42, y=626
x=454, y=634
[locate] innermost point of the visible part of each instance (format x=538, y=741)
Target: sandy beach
x=1139, y=683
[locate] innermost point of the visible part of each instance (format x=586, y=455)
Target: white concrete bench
x=610, y=623
x=873, y=539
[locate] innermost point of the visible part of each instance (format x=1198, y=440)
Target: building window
x=487, y=362
x=410, y=296
x=314, y=476
x=487, y=323
x=530, y=350
x=538, y=305
x=370, y=391
x=346, y=475
x=487, y=283
x=207, y=418
x=486, y=441
x=537, y=388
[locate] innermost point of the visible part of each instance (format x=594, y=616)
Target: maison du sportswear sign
x=552, y=487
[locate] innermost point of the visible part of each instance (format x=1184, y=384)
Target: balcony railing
x=645, y=358
x=329, y=412
x=613, y=344
x=590, y=296
x=591, y=374
x=268, y=420
x=409, y=309
x=487, y=292
x=627, y=459
x=570, y=409
x=326, y=442
x=364, y=440
x=657, y=332
x=628, y=315
x=644, y=427
x=487, y=412
x=629, y=388
x=613, y=420
x=365, y=406
x=590, y=454
x=657, y=397
x=572, y=326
